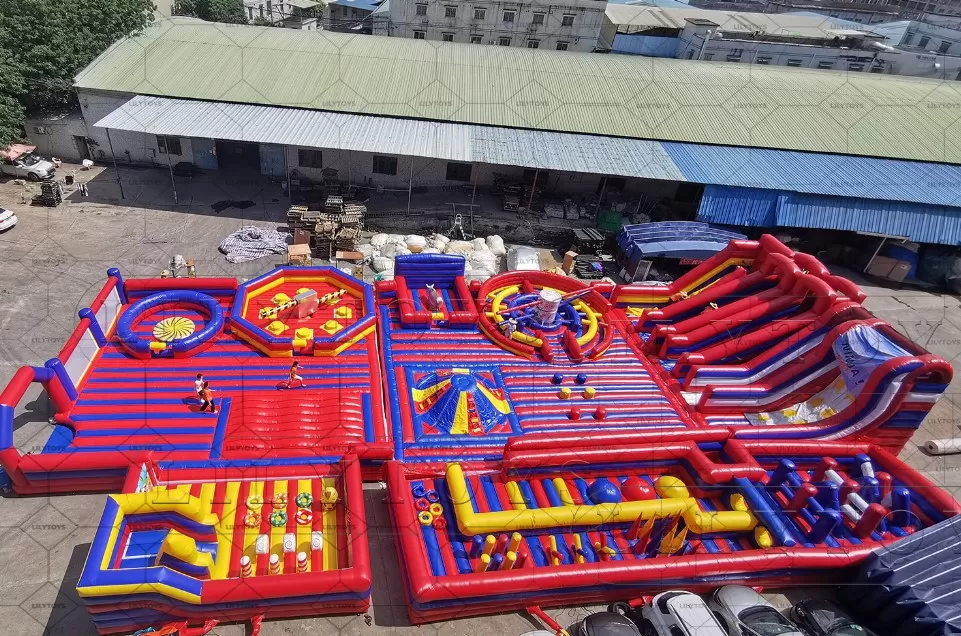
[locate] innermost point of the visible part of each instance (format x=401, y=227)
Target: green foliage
x=44, y=43
x=229, y=11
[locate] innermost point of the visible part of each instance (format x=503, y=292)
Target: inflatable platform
x=757, y=339
x=123, y=385
x=651, y=511
x=231, y=543
x=544, y=440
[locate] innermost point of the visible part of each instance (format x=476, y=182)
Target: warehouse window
x=538, y=19
x=385, y=165
x=450, y=12
x=307, y=158
x=169, y=145
x=533, y=44
x=509, y=16
x=923, y=42
x=420, y=35
x=475, y=39
x=458, y=171
x=763, y=59
x=562, y=46
x=504, y=41
x=826, y=64
x=945, y=45
x=480, y=14
x=421, y=9
x=855, y=67
x=794, y=62
x=447, y=37
x=567, y=20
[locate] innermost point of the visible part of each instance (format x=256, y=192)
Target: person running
x=207, y=395
x=294, y=368
x=199, y=384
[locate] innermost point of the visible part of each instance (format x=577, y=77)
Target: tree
x=11, y=86
x=45, y=43
x=229, y=11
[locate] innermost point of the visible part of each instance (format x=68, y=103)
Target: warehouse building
x=746, y=146
x=801, y=41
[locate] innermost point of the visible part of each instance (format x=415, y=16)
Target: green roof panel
x=615, y=95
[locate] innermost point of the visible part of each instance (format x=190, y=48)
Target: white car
x=677, y=613
x=7, y=219
x=744, y=612
x=27, y=166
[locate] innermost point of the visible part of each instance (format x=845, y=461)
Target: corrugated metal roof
x=615, y=95
x=774, y=170
x=452, y=142
x=836, y=22
x=920, y=223
x=765, y=208
x=749, y=207
x=631, y=18
x=364, y=5
x=837, y=175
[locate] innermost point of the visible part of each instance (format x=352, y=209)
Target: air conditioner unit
x=41, y=130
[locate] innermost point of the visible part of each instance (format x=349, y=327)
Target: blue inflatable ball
x=580, y=378
x=603, y=491
x=557, y=378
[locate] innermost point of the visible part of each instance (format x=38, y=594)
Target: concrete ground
x=55, y=260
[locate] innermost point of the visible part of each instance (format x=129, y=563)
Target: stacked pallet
x=335, y=228
x=51, y=194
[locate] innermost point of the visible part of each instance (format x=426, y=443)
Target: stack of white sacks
x=484, y=256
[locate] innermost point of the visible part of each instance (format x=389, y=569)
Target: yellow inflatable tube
x=675, y=501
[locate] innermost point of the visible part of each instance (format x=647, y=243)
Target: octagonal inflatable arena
x=544, y=440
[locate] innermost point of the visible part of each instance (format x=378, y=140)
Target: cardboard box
x=889, y=268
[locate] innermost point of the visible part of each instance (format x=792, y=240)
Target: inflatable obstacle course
x=229, y=544
x=544, y=438
x=549, y=526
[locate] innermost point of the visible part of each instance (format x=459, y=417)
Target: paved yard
x=55, y=260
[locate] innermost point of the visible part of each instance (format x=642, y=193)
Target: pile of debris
x=335, y=228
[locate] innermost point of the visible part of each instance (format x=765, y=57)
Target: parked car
x=20, y=161
x=824, y=618
x=678, y=613
x=604, y=624
x=7, y=219
x=744, y=612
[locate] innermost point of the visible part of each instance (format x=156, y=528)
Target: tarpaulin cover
x=911, y=587
x=860, y=351
x=674, y=239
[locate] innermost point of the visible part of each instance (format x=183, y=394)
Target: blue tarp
x=673, y=239
x=912, y=587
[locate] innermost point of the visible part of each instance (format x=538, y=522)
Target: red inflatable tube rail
x=790, y=371
x=709, y=471
x=466, y=316
x=150, y=285
x=539, y=441
x=776, y=332
x=405, y=305
x=734, y=250
x=732, y=283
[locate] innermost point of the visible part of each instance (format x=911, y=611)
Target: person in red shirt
x=207, y=395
